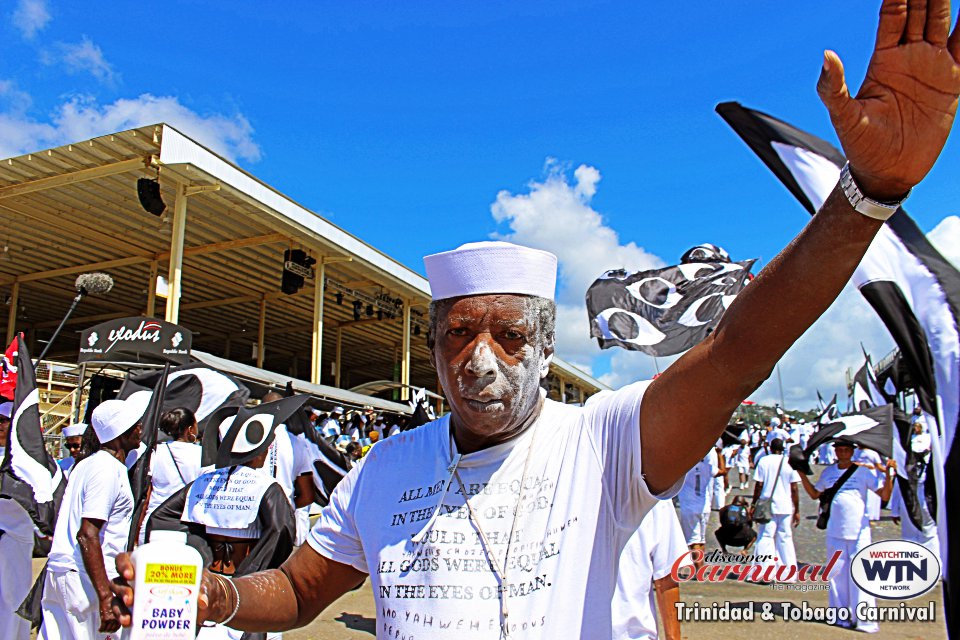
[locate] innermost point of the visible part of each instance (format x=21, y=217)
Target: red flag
x=8, y=371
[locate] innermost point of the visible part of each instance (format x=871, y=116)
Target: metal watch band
x=861, y=203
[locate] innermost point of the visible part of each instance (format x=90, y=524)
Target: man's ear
x=547, y=358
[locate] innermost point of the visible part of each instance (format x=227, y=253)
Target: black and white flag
x=666, y=311
x=29, y=475
x=421, y=410
x=865, y=392
x=827, y=410
x=911, y=286
x=195, y=386
x=871, y=429
x=139, y=473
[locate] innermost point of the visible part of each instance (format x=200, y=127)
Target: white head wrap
x=74, y=430
x=113, y=418
x=480, y=268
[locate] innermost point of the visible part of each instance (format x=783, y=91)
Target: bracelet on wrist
x=236, y=597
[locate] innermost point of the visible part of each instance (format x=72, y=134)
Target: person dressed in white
x=645, y=585
x=848, y=529
x=775, y=431
x=72, y=440
x=175, y=463
x=694, y=500
x=741, y=460
x=331, y=426
x=777, y=481
x=871, y=460
x=719, y=491
x=927, y=534
x=92, y=528
x=804, y=431
x=16, y=550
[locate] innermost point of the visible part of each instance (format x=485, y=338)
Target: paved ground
x=353, y=616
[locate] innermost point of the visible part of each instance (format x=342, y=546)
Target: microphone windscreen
x=94, y=283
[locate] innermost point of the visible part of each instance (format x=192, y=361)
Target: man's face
x=130, y=439
x=843, y=451
x=4, y=430
x=490, y=358
x=73, y=445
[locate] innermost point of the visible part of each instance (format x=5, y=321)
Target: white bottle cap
x=159, y=535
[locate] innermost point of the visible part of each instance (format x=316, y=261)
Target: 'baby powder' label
x=167, y=609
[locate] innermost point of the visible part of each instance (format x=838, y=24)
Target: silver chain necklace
x=498, y=571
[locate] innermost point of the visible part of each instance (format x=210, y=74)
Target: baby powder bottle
x=167, y=585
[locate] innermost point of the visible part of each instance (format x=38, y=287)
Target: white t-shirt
x=777, y=433
x=99, y=490
x=287, y=458
x=742, y=457
x=330, y=428
x=920, y=442
x=848, y=513
x=648, y=556
x=696, y=493
x=394, y=430
x=173, y=466
x=766, y=472
x=582, y=499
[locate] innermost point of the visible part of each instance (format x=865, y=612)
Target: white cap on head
x=6, y=409
x=74, y=430
x=113, y=418
x=337, y=410
x=480, y=268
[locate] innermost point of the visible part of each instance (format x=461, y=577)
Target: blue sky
x=419, y=126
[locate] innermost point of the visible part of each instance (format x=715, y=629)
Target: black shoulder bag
x=826, y=498
x=763, y=508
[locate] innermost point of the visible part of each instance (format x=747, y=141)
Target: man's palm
x=895, y=128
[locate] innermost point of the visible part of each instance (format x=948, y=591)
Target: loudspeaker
x=148, y=191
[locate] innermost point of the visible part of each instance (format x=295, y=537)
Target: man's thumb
x=832, y=86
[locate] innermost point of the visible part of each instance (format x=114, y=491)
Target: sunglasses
x=73, y=445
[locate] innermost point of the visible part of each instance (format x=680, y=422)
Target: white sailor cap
x=480, y=268
x=74, y=430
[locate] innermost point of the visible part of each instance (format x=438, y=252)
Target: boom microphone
x=86, y=283
x=93, y=283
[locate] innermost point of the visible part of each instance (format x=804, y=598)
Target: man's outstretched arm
x=892, y=133
x=274, y=600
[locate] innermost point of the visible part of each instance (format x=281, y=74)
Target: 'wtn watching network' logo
x=895, y=569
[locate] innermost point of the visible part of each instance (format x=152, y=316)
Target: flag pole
x=656, y=364
x=783, y=405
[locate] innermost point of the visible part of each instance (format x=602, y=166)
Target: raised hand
x=895, y=128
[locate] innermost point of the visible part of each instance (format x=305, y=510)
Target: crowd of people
x=97, y=512
x=850, y=486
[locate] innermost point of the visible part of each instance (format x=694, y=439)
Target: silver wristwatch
x=863, y=204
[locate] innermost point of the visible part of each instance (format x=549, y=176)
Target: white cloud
x=80, y=118
x=82, y=57
x=946, y=238
x=555, y=215
x=30, y=16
